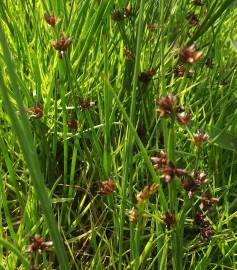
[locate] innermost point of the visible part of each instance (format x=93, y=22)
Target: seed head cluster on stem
x=168, y=108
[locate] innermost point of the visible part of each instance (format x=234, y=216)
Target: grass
x=80, y=124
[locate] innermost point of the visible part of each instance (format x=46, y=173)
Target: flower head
x=166, y=105
x=159, y=160
x=193, y=182
x=37, y=244
x=36, y=112
x=50, y=19
x=179, y=71
x=86, y=104
x=62, y=44
x=129, y=55
x=73, y=124
x=146, y=76
x=192, y=19
x=107, y=187
x=147, y=191
x=182, y=116
x=169, y=219
x=132, y=215
x=207, y=200
x=169, y=172
x=199, y=138
x=190, y=54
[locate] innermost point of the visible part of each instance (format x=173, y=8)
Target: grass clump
x=118, y=146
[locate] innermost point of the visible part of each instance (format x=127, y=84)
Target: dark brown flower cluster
x=181, y=71
x=192, y=19
x=36, y=112
x=193, y=181
x=182, y=116
x=170, y=171
x=206, y=230
x=86, y=104
x=146, y=76
x=169, y=219
x=207, y=200
x=119, y=15
x=166, y=105
x=50, y=19
x=38, y=244
x=62, y=44
x=107, y=187
x=167, y=108
x=167, y=167
x=199, y=138
x=144, y=195
x=73, y=124
x=159, y=160
x=189, y=55
x=129, y=55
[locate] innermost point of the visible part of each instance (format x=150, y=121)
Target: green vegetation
x=118, y=134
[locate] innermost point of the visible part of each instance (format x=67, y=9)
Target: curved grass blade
x=22, y=130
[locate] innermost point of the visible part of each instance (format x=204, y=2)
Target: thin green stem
x=127, y=159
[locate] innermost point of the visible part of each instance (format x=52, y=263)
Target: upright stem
x=127, y=160
x=107, y=107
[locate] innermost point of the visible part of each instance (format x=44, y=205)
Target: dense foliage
x=118, y=134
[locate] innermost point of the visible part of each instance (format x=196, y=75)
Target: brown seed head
x=107, y=187
x=199, y=218
x=129, y=55
x=37, y=111
x=169, y=172
x=193, y=182
x=143, y=195
x=50, y=19
x=37, y=244
x=133, y=215
x=62, y=44
x=120, y=15
x=117, y=15
x=159, y=160
x=73, y=124
x=199, y=138
x=86, y=104
x=206, y=233
x=169, y=219
x=183, y=117
x=206, y=230
x=189, y=185
x=179, y=71
x=166, y=105
x=146, y=76
x=207, y=200
x=190, y=54
x=192, y=19
x=153, y=188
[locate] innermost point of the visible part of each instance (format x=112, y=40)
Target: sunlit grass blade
x=22, y=130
